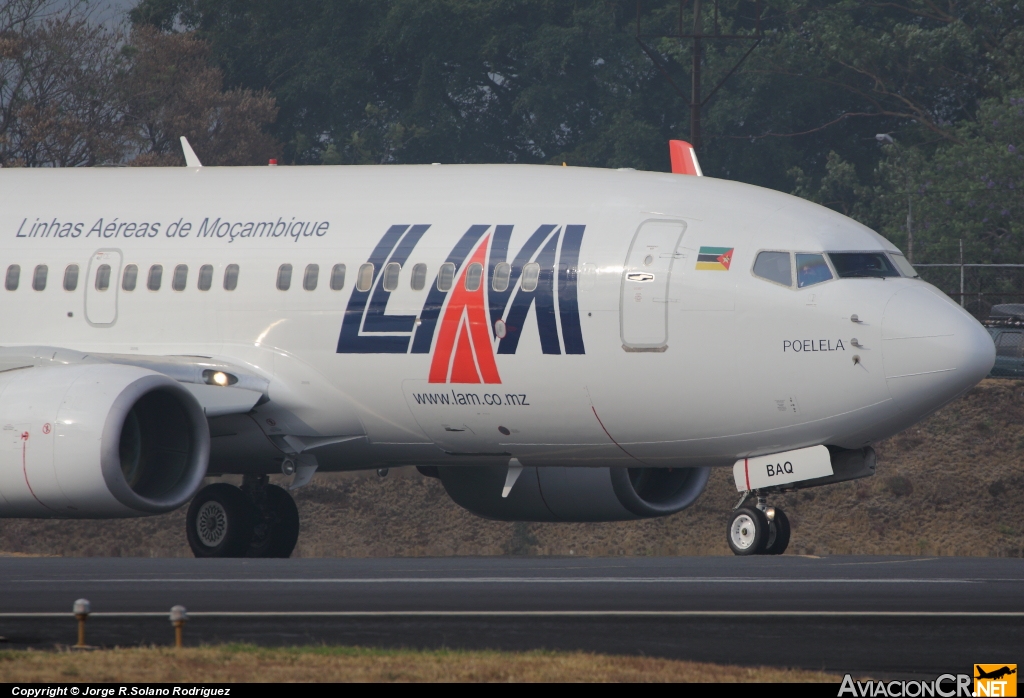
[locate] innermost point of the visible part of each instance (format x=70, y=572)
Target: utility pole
x=886, y=138
x=962, y=273
x=910, y=219
x=698, y=36
x=698, y=32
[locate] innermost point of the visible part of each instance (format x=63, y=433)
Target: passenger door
x=101, y=284
x=643, y=305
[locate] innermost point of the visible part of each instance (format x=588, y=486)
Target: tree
x=74, y=93
x=440, y=80
x=382, y=81
x=169, y=89
x=58, y=101
x=972, y=188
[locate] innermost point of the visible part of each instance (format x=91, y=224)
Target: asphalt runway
x=882, y=616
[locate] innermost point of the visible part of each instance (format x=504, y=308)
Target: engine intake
x=98, y=440
x=156, y=445
x=574, y=494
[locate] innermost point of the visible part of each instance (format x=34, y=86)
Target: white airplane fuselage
x=629, y=352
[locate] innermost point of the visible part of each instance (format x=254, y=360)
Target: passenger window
x=445, y=276
x=130, y=278
x=180, y=277
x=39, y=277
x=71, y=277
x=531, y=274
x=419, y=277
x=13, y=275
x=231, y=277
x=502, y=272
x=473, y=275
x=338, y=277
x=364, y=278
x=1009, y=344
x=391, y=273
x=103, y=277
x=284, y=277
x=811, y=269
x=156, y=276
x=774, y=266
x=311, y=277
x=205, y=277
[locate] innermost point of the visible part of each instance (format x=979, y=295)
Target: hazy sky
x=111, y=11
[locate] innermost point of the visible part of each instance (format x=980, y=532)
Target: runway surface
x=884, y=616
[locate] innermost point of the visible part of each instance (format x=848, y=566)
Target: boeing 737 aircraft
x=553, y=343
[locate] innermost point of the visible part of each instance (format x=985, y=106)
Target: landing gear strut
x=756, y=528
x=256, y=520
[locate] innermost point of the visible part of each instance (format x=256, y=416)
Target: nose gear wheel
x=757, y=529
x=748, y=531
x=778, y=534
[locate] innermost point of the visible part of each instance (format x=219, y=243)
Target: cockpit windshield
x=903, y=265
x=869, y=265
x=811, y=269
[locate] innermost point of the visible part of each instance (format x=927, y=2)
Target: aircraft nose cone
x=932, y=349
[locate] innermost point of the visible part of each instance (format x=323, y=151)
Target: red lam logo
x=464, y=352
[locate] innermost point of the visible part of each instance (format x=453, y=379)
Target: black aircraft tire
x=778, y=534
x=219, y=522
x=277, y=526
x=747, y=531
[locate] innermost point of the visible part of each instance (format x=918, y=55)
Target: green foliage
x=974, y=188
x=438, y=80
x=840, y=187
x=540, y=81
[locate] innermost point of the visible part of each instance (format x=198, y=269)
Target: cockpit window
x=811, y=269
x=774, y=266
x=905, y=267
x=867, y=265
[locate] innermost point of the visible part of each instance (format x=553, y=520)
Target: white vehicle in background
x=553, y=343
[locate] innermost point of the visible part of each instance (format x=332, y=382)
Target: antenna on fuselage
x=190, y=155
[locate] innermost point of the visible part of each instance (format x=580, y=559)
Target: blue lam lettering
x=365, y=311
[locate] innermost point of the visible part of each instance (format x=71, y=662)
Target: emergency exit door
x=643, y=307
x=101, y=286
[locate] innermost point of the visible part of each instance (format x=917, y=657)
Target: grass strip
x=251, y=663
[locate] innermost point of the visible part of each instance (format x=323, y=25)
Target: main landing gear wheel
x=219, y=522
x=748, y=531
x=277, y=524
x=256, y=520
x=778, y=534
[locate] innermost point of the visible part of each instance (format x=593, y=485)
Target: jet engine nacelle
x=574, y=494
x=97, y=440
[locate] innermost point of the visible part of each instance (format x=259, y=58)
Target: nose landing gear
x=757, y=529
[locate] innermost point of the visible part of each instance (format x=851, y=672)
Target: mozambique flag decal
x=714, y=258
